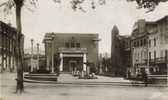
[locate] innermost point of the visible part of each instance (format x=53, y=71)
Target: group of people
x=142, y=75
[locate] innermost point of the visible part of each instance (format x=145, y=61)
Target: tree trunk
x=19, y=51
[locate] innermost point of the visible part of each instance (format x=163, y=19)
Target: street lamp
x=31, y=55
x=38, y=56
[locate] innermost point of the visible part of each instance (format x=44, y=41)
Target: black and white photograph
x=83, y=49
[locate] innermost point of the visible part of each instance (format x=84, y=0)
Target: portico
x=72, y=59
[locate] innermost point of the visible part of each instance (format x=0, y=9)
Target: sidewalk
x=59, y=91
x=63, y=78
x=102, y=80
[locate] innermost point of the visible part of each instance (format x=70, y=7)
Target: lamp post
x=38, y=56
x=32, y=55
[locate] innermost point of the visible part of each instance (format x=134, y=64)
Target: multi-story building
x=74, y=50
x=120, y=53
x=7, y=47
x=139, y=47
x=158, y=46
x=149, y=46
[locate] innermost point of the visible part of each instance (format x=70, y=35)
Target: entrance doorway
x=73, y=66
x=72, y=63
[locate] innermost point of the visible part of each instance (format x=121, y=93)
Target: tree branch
x=3, y=4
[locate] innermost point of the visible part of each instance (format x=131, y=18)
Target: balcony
x=161, y=60
x=142, y=62
x=151, y=60
x=158, y=60
x=72, y=50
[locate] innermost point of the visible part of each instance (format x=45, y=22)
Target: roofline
x=72, y=33
x=155, y=22
x=8, y=25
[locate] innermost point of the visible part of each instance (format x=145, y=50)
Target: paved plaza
x=37, y=91
x=68, y=78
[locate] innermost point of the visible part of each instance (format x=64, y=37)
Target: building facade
x=158, y=47
x=139, y=47
x=120, y=53
x=74, y=51
x=7, y=47
x=149, y=46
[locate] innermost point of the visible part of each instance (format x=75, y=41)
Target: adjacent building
x=7, y=47
x=149, y=46
x=74, y=50
x=120, y=53
x=158, y=47
x=139, y=47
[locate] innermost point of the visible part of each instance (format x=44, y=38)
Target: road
x=34, y=91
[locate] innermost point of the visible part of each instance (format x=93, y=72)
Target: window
x=0, y=41
x=144, y=41
x=149, y=55
x=72, y=45
x=67, y=45
x=141, y=42
x=78, y=45
x=149, y=43
x=161, y=54
x=134, y=44
x=154, y=54
x=154, y=42
x=137, y=43
x=166, y=55
x=141, y=54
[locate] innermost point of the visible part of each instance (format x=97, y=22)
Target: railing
x=72, y=49
x=158, y=60
x=151, y=61
x=142, y=62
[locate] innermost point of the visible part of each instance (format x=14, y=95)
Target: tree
x=18, y=4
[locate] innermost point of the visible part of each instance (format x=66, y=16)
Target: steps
x=159, y=79
x=40, y=77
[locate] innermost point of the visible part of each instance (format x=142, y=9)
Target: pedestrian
x=145, y=78
x=128, y=74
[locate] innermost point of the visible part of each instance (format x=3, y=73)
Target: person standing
x=145, y=78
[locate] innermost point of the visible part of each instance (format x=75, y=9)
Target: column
x=61, y=63
x=84, y=61
x=7, y=63
x=47, y=55
x=0, y=62
x=11, y=61
x=48, y=63
x=52, y=57
x=52, y=63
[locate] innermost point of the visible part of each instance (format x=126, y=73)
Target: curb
x=98, y=83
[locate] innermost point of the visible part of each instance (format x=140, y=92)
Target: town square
x=84, y=49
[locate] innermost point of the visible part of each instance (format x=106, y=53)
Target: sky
x=48, y=16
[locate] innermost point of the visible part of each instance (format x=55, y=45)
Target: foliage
x=148, y=4
x=78, y=4
x=8, y=5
